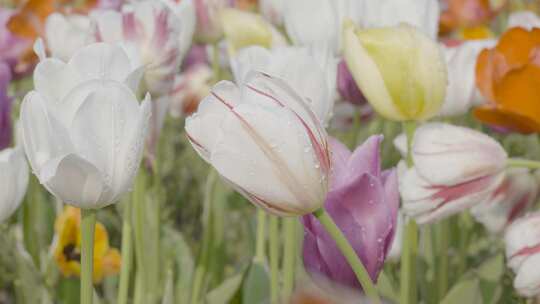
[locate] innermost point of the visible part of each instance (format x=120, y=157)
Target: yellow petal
x=244, y=29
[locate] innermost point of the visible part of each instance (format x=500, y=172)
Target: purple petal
x=347, y=87
x=391, y=190
x=5, y=107
x=196, y=55
x=365, y=159
x=340, y=154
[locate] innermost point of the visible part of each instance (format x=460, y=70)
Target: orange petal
x=484, y=73
x=28, y=22
x=519, y=92
x=517, y=45
x=507, y=119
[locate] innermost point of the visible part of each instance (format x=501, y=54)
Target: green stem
x=261, y=236
x=88, y=224
x=410, y=241
x=216, y=68
x=127, y=254
x=138, y=231
x=289, y=257
x=273, y=231
x=349, y=253
x=442, y=273
x=523, y=163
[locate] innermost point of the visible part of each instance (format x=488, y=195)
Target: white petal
x=53, y=79
x=44, y=136
x=74, y=181
x=524, y=19
x=186, y=12
x=253, y=58
x=445, y=154
x=102, y=61
x=204, y=127
x=109, y=25
x=521, y=234
x=13, y=181
x=267, y=153
x=527, y=280
x=66, y=34
x=101, y=129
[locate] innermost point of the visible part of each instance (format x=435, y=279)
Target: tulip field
x=269, y=151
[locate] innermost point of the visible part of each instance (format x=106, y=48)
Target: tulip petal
x=527, y=281
x=53, y=79
x=204, y=127
x=44, y=136
x=73, y=180
x=340, y=155
x=113, y=111
x=102, y=61
x=13, y=181
x=268, y=153
x=435, y=140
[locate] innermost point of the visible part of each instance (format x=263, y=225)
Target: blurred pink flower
x=5, y=107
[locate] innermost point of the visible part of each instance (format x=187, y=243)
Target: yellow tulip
x=67, y=249
x=400, y=70
x=244, y=29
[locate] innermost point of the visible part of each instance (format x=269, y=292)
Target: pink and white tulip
x=209, y=28
x=522, y=240
x=264, y=139
x=454, y=169
x=190, y=87
x=514, y=196
x=150, y=31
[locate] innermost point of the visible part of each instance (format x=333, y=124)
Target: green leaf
x=492, y=269
x=464, y=292
x=224, y=293
x=386, y=288
x=256, y=285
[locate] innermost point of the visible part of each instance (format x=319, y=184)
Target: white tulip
x=525, y=19
x=13, y=180
x=263, y=138
x=422, y=14
x=512, y=198
x=67, y=34
x=83, y=128
x=318, y=23
x=151, y=32
x=461, y=93
x=311, y=73
x=522, y=240
x=454, y=169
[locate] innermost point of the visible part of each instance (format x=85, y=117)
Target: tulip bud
x=66, y=34
x=266, y=142
x=83, y=128
x=522, y=240
x=454, y=169
x=347, y=87
x=309, y=72
x=243, y=29
x=150, y=31
x=400, y=70
x=209, y=28
x=14, y=181
x=363, y=201
x=5, y=107
x=514, y=196
x=462, y=93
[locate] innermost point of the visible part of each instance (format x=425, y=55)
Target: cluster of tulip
x=254, y=89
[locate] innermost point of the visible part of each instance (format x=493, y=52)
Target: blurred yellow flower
x=67, y=250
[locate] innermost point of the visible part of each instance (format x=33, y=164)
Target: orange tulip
x=509, y=77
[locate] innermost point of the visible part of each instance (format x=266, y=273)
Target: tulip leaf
x=226, y=292
x=386, y=287
x=256, y=284
x=465, y=291
x=492, y=269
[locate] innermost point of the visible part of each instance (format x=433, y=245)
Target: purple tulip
x=11, y=46
x=5, y=107
x=363, y=201
x=347, y=87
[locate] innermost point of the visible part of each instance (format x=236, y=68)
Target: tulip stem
x=443, y=235
x=88, y=224
x=349, y=253
x=216, y=69
x=127, y=254
x=523, y=163
x=273, y=236
x=261, y=233
x=410, y=241
x=289, y=257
